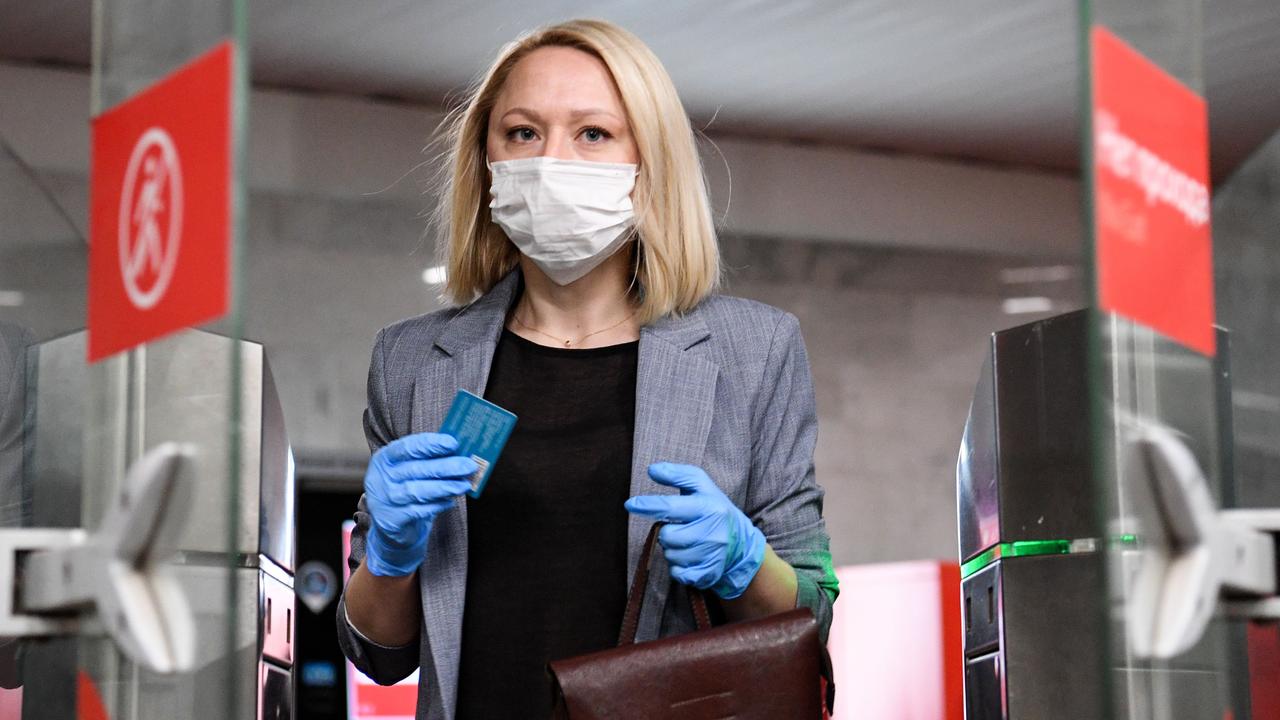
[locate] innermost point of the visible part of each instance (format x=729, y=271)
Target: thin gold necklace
x=568, y=342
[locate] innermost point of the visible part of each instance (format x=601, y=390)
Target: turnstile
x=178, y=395
x=1038, y=587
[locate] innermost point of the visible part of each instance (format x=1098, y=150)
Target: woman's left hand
x=710, y=543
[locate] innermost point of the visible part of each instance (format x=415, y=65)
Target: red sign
x=1151, y=194
x=160, y=208
x=896, y=641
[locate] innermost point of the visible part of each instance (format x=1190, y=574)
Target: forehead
x=551, y=77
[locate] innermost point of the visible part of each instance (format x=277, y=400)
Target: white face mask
x=568, y=216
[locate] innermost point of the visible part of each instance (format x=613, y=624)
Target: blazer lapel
x=460, y=360
x=675, y=394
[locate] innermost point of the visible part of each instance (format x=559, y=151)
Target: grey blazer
x=725, y=387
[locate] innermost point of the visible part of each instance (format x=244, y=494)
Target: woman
x=581, y=252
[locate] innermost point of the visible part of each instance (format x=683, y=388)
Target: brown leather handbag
x=771, y=668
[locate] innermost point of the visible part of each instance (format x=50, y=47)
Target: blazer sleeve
x=784, y=499
x=384, y=665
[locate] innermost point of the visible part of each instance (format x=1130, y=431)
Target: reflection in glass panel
x=1246, y=213
x=42, y=276
x=1246, y=262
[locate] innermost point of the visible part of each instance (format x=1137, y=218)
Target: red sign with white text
x=1151, y=195
x=160, y=207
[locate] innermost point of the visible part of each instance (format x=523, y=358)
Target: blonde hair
x=677, y=260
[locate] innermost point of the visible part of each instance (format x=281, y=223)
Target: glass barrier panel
x=73, y=433
x=42, y=297
x=1161, y=401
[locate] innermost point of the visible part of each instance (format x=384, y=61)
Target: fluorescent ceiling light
x=1022, y=305
x=1037, y=273
x=434, y=275
x=11, y=298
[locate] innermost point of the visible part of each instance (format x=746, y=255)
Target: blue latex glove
x=408, y=483
x=710, y=543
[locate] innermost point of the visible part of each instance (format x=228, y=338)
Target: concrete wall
x=334, y=146
x=893, y=264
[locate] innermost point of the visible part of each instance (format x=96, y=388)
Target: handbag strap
x=635, y=598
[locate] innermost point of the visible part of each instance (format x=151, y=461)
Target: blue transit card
x=482, y=429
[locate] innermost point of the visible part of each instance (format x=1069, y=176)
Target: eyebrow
x=575, y=115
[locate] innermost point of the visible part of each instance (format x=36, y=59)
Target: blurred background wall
x=897, y=266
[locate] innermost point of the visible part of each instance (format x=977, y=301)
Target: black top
x=547, y=540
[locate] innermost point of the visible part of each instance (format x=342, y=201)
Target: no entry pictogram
x=160, y=207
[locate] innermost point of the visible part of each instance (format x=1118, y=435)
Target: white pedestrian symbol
x=148, y=247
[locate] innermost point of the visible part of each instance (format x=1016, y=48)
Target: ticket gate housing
x=1037, y=601
x=180, y=384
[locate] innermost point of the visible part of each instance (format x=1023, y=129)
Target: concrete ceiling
x=986, y=80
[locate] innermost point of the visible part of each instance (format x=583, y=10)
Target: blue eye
x=594, y=134
x=522, y=134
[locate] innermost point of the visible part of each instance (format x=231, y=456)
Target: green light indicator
x=1024, y=548
x=1021, y=548
x=983, y=559
x=1029, y=548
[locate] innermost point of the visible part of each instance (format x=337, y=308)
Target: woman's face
x=562, y=103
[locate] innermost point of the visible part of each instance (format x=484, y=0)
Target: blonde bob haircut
x=676, y=258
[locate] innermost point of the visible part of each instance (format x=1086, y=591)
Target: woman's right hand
x=408, y=483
